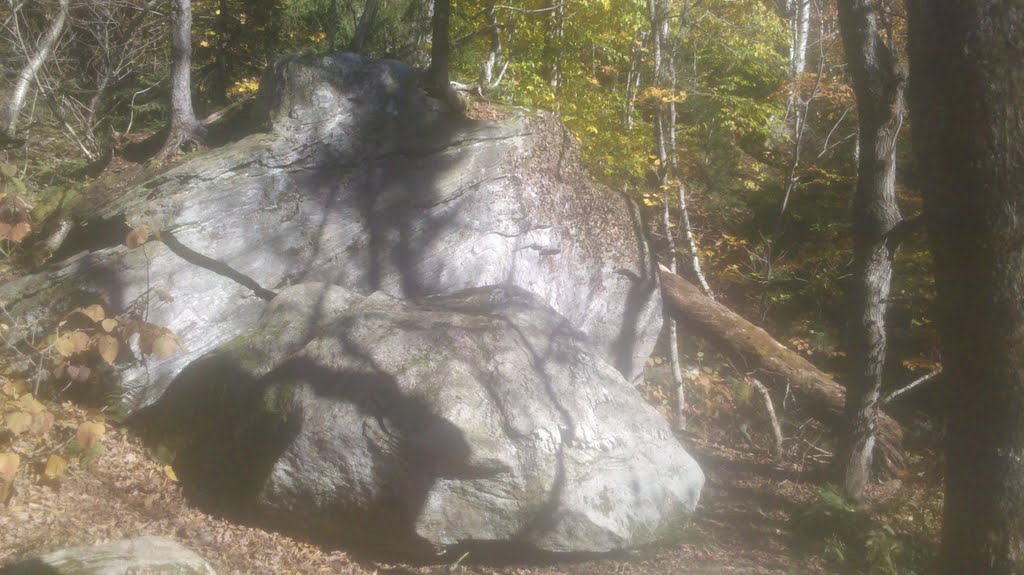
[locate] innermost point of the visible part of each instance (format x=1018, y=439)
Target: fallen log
x=752, y=349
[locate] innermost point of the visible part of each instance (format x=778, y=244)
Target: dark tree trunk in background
x=878, y=81
x=437, y=75
x=221, y=82
x=366, y=20
x=967, y=85
x=184, y=128
x=553, y=46
x=332, y=26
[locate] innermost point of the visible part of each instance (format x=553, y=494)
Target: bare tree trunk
x=28, y=73
x=366, y=20
x=670, y=323
x=773, y=420
x=184, y=126
x=332, y=26
x=437, y=74
x=222, y=79
x=633, y=79
x=664, y=141
x=878, y=81
x=691, y=242
x=487, y=68
x=555, y=34
x=799, y=27
x=966, y=81
x=799, y=15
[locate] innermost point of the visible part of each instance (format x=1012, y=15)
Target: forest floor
x=742, y=524
x=746, y=522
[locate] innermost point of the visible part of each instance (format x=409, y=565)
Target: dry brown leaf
x=78, y=372
x=138, y=236
x=108, y=347
x=9, y=463
x=109, y=324
x=19, y=231
x=41, y=422
x=94, y=312
x=165, y=346
x=164, y=295
x=18, y=422
x=55, y=467
x=14, y=388
x=30, y=404
x=90, y=433
x=71, y=343
x=147, y=337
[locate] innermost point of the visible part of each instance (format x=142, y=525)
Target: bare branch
x=912, y=385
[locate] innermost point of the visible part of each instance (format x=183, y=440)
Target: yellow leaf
x=14, y=388
x=108, y=348
x=94, y=312
x=90, y=433
x=9, y=463
x=55, y=467
x=18, y=421
x=30, y=404
x=71, y=343
x=165, y=346
x=169, y=472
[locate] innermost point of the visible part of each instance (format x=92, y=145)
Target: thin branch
x=525, y=11
x=770, y=408
x=914, y=384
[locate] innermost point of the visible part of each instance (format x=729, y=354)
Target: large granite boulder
x=149, y=555
x=477, y=418
x=360, y=180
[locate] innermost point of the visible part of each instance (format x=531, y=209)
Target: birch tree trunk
x=28, y=73
x=967, y=77
x=878, y=81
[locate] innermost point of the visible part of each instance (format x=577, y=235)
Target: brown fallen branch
x=754, y=350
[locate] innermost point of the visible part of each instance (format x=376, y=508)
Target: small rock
x=150, y=555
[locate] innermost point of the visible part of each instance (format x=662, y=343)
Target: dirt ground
x=742, y=524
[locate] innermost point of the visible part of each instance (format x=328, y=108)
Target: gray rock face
x=150, y=555
x=477, y=417
x=364, y=182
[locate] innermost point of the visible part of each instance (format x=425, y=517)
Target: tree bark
x=670, y=323
x=184, y=126
x=437, y=75
x=967, y=77
x=878, y=81
x=362, y=34
x=221, y=82
x=553, y=47
x=750, y=348
x=28, y=73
